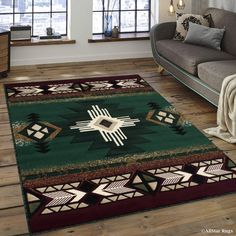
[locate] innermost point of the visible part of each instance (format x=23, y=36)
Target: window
x=128, y=15
x=40, y=14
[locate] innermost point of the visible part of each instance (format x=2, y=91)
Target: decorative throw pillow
x=183, y=23
x=204, y=36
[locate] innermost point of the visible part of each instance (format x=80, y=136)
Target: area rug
x=88, y=149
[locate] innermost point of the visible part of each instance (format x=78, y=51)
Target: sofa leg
x=160, y=69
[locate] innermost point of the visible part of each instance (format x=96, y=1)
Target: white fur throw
x=226, y=114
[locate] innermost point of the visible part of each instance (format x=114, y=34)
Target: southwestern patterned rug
x=88, y=149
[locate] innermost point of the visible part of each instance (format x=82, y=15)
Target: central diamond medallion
x=105, y=123
x=108, y=126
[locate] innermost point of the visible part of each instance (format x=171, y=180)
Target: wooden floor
x=179, y=220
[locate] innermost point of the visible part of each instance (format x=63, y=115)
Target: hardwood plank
x=10, y=196
x=3, y=107
x=7, y=156
x=203, y=121
x=6, y=138
x=5, y=130
x=3, y=116
x=199, y=228
x=223, y=145
x=231, y=154
x=9, y=176
x=13, y=222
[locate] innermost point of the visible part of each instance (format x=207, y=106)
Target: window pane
x=41, y=22
x=114, y=5
x=41, y=6
x=23, y=6
x=58, y=5
x=97, y=22
x=6, y=21
x=6, y=6
x=115, y=19
x=142, y=4
x=97, y=5
x=23, y=19
x=39, y=10
x=59, y=22
x=127, y=4
x=142, y=21
x=127, y=21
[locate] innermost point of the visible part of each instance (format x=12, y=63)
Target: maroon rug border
x=164, y=199
x=77, y=94
x=83, y=80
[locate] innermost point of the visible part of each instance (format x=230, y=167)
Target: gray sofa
x=201, y=69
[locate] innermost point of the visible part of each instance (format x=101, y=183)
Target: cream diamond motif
x=39, y=135
x=36, y=127
x=39, y=131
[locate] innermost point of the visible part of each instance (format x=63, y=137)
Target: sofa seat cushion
x=213, y=73
x=188, y=56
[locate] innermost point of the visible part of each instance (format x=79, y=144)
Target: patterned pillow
x=183, y=23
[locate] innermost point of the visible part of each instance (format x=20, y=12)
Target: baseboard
x=98, y=57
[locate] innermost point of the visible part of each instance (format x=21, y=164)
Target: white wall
x=164, y=6
x=227, y=5
x=81, y=30
x=201, y=5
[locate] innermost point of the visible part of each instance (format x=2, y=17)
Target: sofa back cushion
x=227, y=20
x=204, y=36
x=183, y=20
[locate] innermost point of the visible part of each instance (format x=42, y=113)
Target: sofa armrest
x=163, y=31
x=160, y=32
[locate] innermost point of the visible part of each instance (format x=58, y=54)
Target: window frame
x=103, y=11
x=32, y=13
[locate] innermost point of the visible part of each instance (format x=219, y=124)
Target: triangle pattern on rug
x=32, y=198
